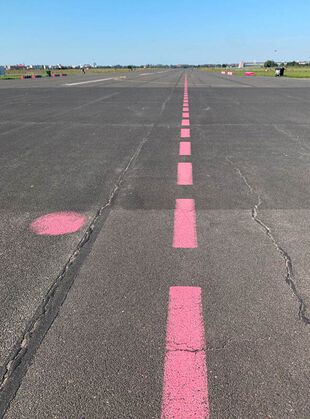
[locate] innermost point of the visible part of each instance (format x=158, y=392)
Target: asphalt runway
x=182, y=289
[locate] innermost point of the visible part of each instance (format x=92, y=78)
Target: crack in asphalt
x=289, y=277
x=17, y=363
x=184, y=347
x=193, y=351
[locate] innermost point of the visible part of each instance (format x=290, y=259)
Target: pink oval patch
x=58, y=223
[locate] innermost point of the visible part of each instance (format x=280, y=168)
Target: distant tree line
x=271, y=63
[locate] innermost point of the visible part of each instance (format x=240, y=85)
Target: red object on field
x=249, y=73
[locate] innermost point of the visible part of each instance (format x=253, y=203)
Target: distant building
x=36, y=66
x=241, y=64
x=17, y=67
x=2, y=70
x=254, y=64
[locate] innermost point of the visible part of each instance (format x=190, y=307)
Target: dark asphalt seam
x=76, y=123
x=296, y=139
x=13, y=129
x=92, y=102
x=149, y=81
x=83, y=105
x=241, y=342
x=195, y=84
x=22, y=355
x=242, y=83
x=289, y=277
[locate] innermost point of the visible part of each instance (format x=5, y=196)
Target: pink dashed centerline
x=185, y=174
x=184, y=235
x=185, y=148
x=185, y=392
x=185, y=133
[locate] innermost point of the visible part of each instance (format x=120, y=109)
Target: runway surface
x=155, y=246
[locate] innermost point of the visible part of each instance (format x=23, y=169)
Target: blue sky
x=162, y=31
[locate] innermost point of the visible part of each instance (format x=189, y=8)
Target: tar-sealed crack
x=183, y=347
x=289, y=277
x=18, y=362
x=193, y=351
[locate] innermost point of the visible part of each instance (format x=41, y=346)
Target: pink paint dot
x=58, y=223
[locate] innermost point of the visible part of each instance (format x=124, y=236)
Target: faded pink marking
x=185, y=393
x=185, y=236
x=185, y=108
x=185, y=132
x=185, y=123
x=185, y=173
x=58, y=223
x=185, y=115
x=185, y=148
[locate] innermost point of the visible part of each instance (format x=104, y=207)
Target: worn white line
x=95, y=81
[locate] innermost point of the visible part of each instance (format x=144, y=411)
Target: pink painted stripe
x=185, y=123
x=185, y=236
x=185, y=115
x=185, y=133
x=185, y=393
x=185, y=108
x=185, y=148
x=185, y=173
